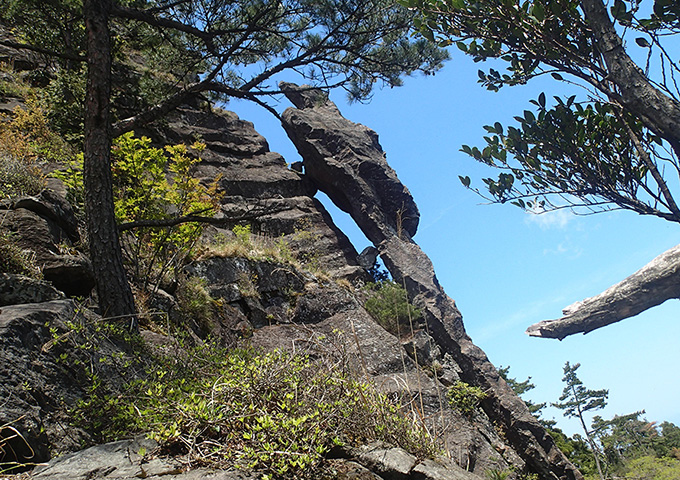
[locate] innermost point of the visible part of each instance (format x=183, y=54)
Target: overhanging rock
x=345, y=160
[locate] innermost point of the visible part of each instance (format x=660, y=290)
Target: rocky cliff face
x=285, y=307
x=345, y=161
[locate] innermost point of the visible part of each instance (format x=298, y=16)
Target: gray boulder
x=46, y=226
x=17, y=289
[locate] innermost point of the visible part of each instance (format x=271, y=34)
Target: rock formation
x=345, y=161
x=46, y=225
x=278, y=305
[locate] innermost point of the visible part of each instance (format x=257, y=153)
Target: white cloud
x=550, y=219
x=563, y=248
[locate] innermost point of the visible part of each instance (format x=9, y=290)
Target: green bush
x=464, y=397
x=142, y=191
x=195, y=302
x=276, y=412
x=388, y=304
x=653, y=468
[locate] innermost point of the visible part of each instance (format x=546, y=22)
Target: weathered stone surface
x=43, y=372
x=349, y=470
x=31, y=384
x=122, y=460
x=53, y=206
x=46, y=225
x=390, y=462
x=440, y=470
x=421, y=347
x=345, y=161
x=17, y=289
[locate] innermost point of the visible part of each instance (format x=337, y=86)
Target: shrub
x=277, y=413
x=142, y=191
x=195, y=301
x=26, y=141
x=653, y=468
x=464, y=397
x=26, y=135
x=388, y=304
x=17, y=178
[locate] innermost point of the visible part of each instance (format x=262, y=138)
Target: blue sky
x=507, y=269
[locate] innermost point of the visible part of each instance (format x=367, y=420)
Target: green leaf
x=465, y=181
x=538, y=12
x=641, y=41
x=541, y=100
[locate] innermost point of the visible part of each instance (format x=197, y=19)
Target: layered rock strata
x=292, y=308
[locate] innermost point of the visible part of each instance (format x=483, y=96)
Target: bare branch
x=652, y=285
x=172, y=222
x=44, y=51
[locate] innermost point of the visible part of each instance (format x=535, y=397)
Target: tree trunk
x=659, y=112
x=652, y=285
x=589, y=438
x=115, y=295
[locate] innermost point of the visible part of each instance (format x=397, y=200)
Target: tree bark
x=659, y=112
x=113, y=289
x=652, y=285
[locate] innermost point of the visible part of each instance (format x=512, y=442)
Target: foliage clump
x=26, y=142
x=195, y=301
x=13, y=259
x=152, y=187
x=388, y=304
x=18, y=178
x=465, y=397
x=650, y=467
x=276, y=412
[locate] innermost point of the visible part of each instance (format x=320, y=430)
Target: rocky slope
x=314, y=306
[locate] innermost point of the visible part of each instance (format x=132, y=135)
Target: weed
x=10, y=439
x=195, y=301
x=248, y=245
x=496, y=474
x=306, y=242
x=247, y=285
x=18, y=178
x=465, y=397
x=13, y=259
x=275, y=412
x=345, y=284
